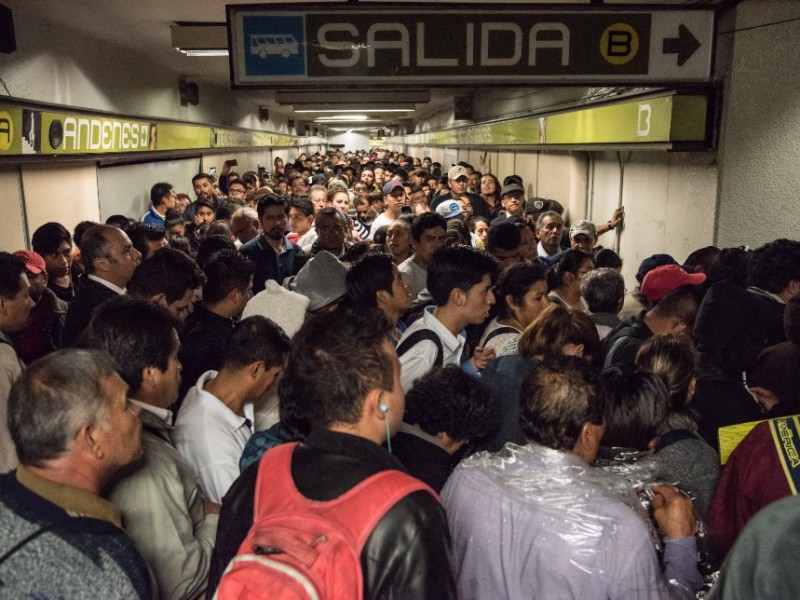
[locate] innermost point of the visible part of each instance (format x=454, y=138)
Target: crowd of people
x=370, y=375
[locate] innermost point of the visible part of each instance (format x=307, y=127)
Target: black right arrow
x=684, y=45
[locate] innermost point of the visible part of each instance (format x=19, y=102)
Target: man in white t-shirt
x=394, y=199
x=428, y=232
x=216, y=418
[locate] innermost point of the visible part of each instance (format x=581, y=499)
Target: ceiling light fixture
x=336, y=118
x=204, y=52
x=200, y=39
x=355, y=110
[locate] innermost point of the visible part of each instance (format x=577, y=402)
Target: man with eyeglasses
x=245, y=224
x=332, y=232
x=237, y=189
x=512, y=198
x=275, y=256
x=394, y=199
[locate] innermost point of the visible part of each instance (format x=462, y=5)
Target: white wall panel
x=66, y=194
x=506, y=164
x=759, y=171
x=11, y=225
x=125, y=190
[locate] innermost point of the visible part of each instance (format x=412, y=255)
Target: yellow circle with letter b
x=6, y=131
x=619, y=44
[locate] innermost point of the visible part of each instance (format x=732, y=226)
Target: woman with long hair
x=490, y=192
x=565, y=277
x=521, y=294
x=557, y=331
x=681, y=455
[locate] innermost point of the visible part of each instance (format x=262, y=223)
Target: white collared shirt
x=108, y=284
x=162, y=413
x=422, y=357
x=211, y=438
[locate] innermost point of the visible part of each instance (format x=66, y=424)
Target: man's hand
x=210, y=508
x=482, y=357
x=766, y=399
x=617, y=217
x=673, y=512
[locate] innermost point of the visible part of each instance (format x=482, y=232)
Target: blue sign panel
x=274, y=46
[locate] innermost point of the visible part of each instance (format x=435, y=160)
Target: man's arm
x=617, y=217
x=163, y=513
x=408, y=554
x=674, y=514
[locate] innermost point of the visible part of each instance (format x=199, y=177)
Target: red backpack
x=301, y=548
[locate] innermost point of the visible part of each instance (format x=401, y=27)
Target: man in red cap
x=662, y=280
x=671, y=292
x=45, y=324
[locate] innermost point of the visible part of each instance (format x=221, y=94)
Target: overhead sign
x=44, y=132
x=347, y=45
x=672, y=119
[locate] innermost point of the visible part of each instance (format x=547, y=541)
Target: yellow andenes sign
x=65, y=133
x=30, y=131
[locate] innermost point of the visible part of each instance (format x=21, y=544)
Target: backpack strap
x=274, y=472
x=505, y=329
x=672, y=436
x=616, y=337
x=418, y=336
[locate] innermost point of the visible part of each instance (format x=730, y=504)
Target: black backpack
x=419, y=336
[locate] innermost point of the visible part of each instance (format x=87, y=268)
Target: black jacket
x=271, y=264
x=202, y=346
x=622, y=344
x=90, y=295
x=730, y=330
x=407, y=555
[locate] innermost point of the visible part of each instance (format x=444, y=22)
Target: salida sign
x=459, y=46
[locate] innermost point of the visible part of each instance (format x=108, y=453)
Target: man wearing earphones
x=341, y=386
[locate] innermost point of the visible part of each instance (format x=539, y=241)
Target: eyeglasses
x=330, y=229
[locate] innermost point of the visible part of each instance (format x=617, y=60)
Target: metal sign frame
x=361, y=45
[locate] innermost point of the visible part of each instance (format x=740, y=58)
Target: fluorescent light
x=343, y=118
x=356, y=110
x=349, y=98
x=205, y=52
x=349, y=129
x=200, y=39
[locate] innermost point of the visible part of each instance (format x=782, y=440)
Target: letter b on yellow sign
x=619, y=43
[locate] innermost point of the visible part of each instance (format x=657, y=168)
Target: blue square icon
x=274, y=45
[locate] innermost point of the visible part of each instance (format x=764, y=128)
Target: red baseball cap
x=662, y=280
x=33, y=261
